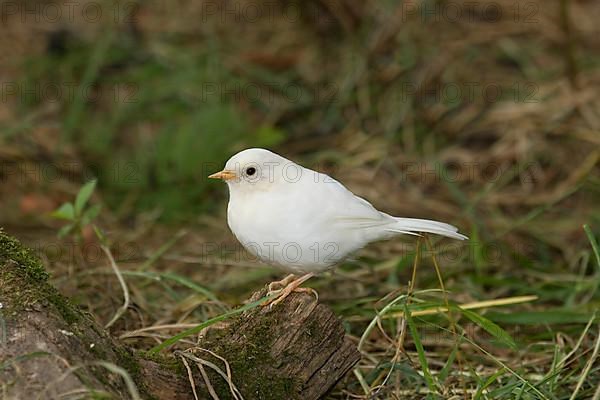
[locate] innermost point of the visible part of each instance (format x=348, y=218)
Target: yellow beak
x=224, y=175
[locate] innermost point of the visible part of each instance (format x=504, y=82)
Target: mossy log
x=49, y=348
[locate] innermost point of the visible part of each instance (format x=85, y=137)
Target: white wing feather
x=359, y=213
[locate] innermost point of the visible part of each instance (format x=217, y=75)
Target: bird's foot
x=281, y=284
x=291, y=285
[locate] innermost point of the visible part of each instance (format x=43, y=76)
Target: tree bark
x=49, y=348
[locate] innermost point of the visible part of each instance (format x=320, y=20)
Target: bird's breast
x=284, y=233
x=260, y=219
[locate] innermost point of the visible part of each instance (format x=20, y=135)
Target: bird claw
x=282, y=283
x=279, y=296
x=291, y=285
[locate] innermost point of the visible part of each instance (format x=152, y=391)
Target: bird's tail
x=414, y=226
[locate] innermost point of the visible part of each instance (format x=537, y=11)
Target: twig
x=235, y=392
x=191, y=377
x=209, y=385
x=131, y=387
x=232, y=388
x=117, y=272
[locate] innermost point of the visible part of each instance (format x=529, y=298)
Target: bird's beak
x=224, y=175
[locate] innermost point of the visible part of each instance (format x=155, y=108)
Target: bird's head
x=255, y=169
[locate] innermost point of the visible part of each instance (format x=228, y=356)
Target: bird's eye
x=250, y=171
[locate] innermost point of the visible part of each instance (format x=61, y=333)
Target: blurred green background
x=149, y=96
x=482, y=114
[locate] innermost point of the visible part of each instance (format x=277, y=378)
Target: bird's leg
x=282, y=283
x=292, y=286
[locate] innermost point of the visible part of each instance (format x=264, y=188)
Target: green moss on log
x=256, y=371
x=27, y=264
x=168, y=363
x=24, y=281
x=24, y=286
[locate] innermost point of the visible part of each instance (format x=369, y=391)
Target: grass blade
x=593, y=242
x=377, y=317
x=550, y=317
x=420, y=350
x=175, y=278
x=115, y=369
x=162, y=250
x=449, y=363
x=490, y=327
x=587, y=368
x=171, y=341
x=487, y=383
x=468, y=306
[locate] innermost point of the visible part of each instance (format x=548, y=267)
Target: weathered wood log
x=299, y=349
x=49, y=348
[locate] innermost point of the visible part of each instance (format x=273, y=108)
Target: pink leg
x=292, y=286
x=282, y=283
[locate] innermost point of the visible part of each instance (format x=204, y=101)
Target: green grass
x=155, y=133
x=151, y=130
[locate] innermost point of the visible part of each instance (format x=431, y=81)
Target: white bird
x=303, y=221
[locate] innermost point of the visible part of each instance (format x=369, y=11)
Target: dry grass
x=518, y=174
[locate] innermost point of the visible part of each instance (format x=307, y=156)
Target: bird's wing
x=355, y=213
x=349, y=209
